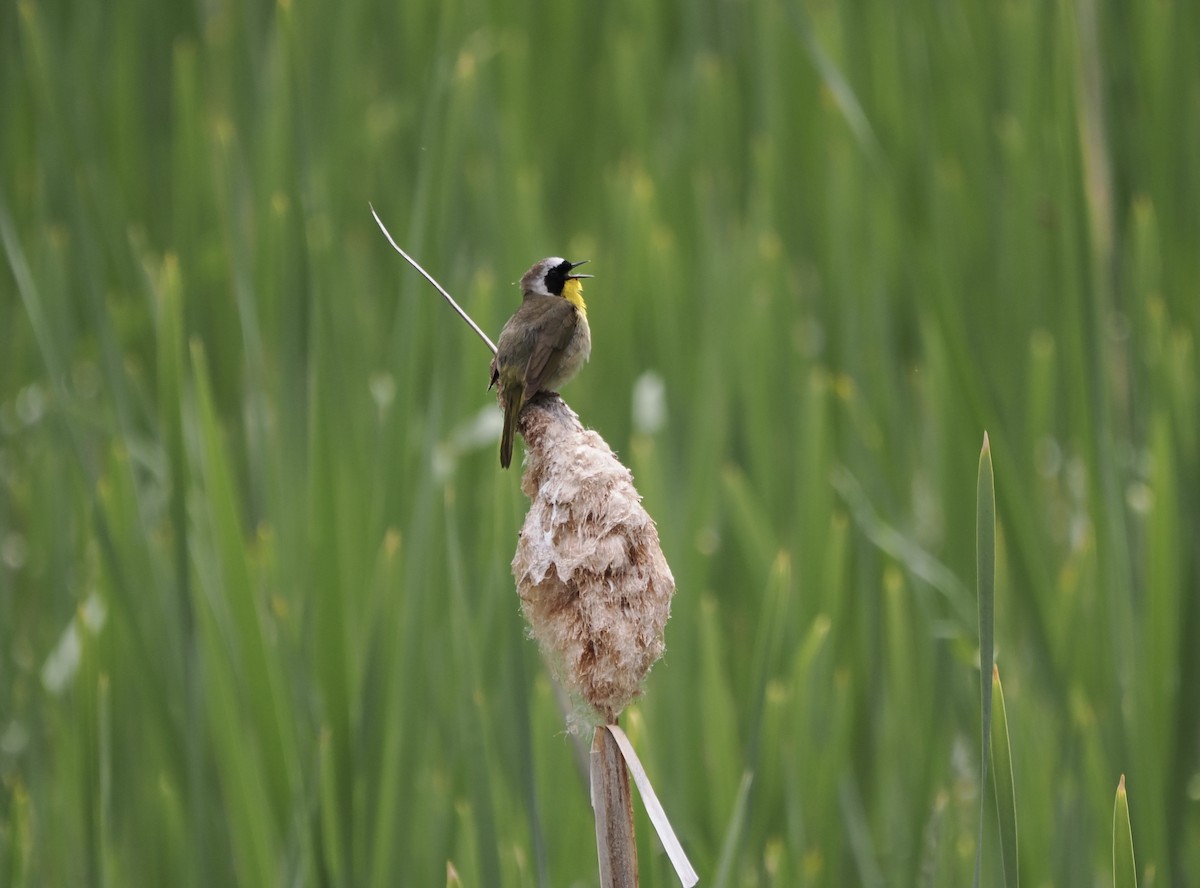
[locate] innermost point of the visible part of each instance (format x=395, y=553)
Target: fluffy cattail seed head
x=593, y=581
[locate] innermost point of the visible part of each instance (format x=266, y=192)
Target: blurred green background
x=257, y=624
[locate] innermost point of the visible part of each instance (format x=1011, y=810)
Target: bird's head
x=553, y=277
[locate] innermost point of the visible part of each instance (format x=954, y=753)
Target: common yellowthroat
x=544, y=343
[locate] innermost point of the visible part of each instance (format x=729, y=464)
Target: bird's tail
x=512, y=409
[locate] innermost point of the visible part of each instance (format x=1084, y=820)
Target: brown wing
x=555, y=328
x=514, y=340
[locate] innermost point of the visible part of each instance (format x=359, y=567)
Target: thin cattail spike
x=413, y=262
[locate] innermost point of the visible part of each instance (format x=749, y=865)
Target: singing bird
x=543, y=344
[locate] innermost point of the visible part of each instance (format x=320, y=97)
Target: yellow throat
x=573, y=293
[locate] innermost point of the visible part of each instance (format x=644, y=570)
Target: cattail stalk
x=612, y=805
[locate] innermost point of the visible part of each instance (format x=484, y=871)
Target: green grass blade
x=766, y=649
x=719, y=712
x=332, y=812
x=732, y=843
x=1124, y=869
x=985, y=560
x=837, y=85
x=869, y=871
x=16, y=841
x=1003, y=784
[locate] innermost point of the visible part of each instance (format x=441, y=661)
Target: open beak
x=575, y=265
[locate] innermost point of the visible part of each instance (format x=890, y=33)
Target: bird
x=543, y=344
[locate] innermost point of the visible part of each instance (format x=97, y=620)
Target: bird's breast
x=576, y=352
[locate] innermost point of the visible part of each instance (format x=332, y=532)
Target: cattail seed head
x=594, y=585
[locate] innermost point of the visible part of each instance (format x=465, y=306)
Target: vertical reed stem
x=612, y=804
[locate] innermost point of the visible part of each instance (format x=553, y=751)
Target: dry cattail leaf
x=593, y=581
